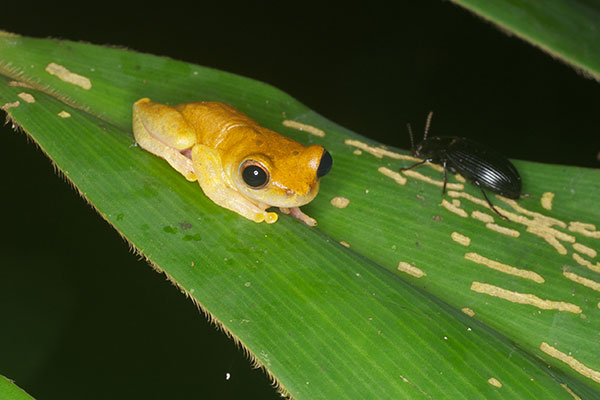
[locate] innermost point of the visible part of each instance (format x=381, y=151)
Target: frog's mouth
x=285, y=199
x=290, y=199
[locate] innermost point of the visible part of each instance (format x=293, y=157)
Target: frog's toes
x=271, y=217
x=190, y=176
x=268, y=217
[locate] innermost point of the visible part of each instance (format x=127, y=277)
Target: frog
x=239, y=164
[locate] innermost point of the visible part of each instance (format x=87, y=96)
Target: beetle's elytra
x=482, y=166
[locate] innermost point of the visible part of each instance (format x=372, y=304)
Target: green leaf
x=8, y=390
x=327, y=320
x=567, y=30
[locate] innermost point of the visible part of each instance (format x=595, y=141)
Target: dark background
x=82, y=317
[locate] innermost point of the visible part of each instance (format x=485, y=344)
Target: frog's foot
x=298, y=214
x=268, y=217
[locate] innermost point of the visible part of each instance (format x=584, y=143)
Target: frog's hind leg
x=162, y=130
x=209, y=170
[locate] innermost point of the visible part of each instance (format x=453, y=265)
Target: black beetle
x=479, y=164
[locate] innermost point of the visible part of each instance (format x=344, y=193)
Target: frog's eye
x=254, y=174
x=325, y=164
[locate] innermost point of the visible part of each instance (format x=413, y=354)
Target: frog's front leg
x=162, y=130
x=299, y=215
x=209, y=171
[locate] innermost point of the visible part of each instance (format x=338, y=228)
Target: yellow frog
x=239, y=164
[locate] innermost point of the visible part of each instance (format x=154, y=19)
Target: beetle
x=479, y=164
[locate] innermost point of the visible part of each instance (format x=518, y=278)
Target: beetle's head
x=418, y=150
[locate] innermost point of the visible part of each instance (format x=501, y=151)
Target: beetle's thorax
x=435, y=147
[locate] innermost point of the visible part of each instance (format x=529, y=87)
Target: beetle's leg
x=415, y=165
x=445, y=177
x=490, y=203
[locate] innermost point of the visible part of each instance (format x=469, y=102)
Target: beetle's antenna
x=412, y=143
x=427, y=124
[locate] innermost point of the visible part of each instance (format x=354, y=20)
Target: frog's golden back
x=233, y=134
x=212, y=120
